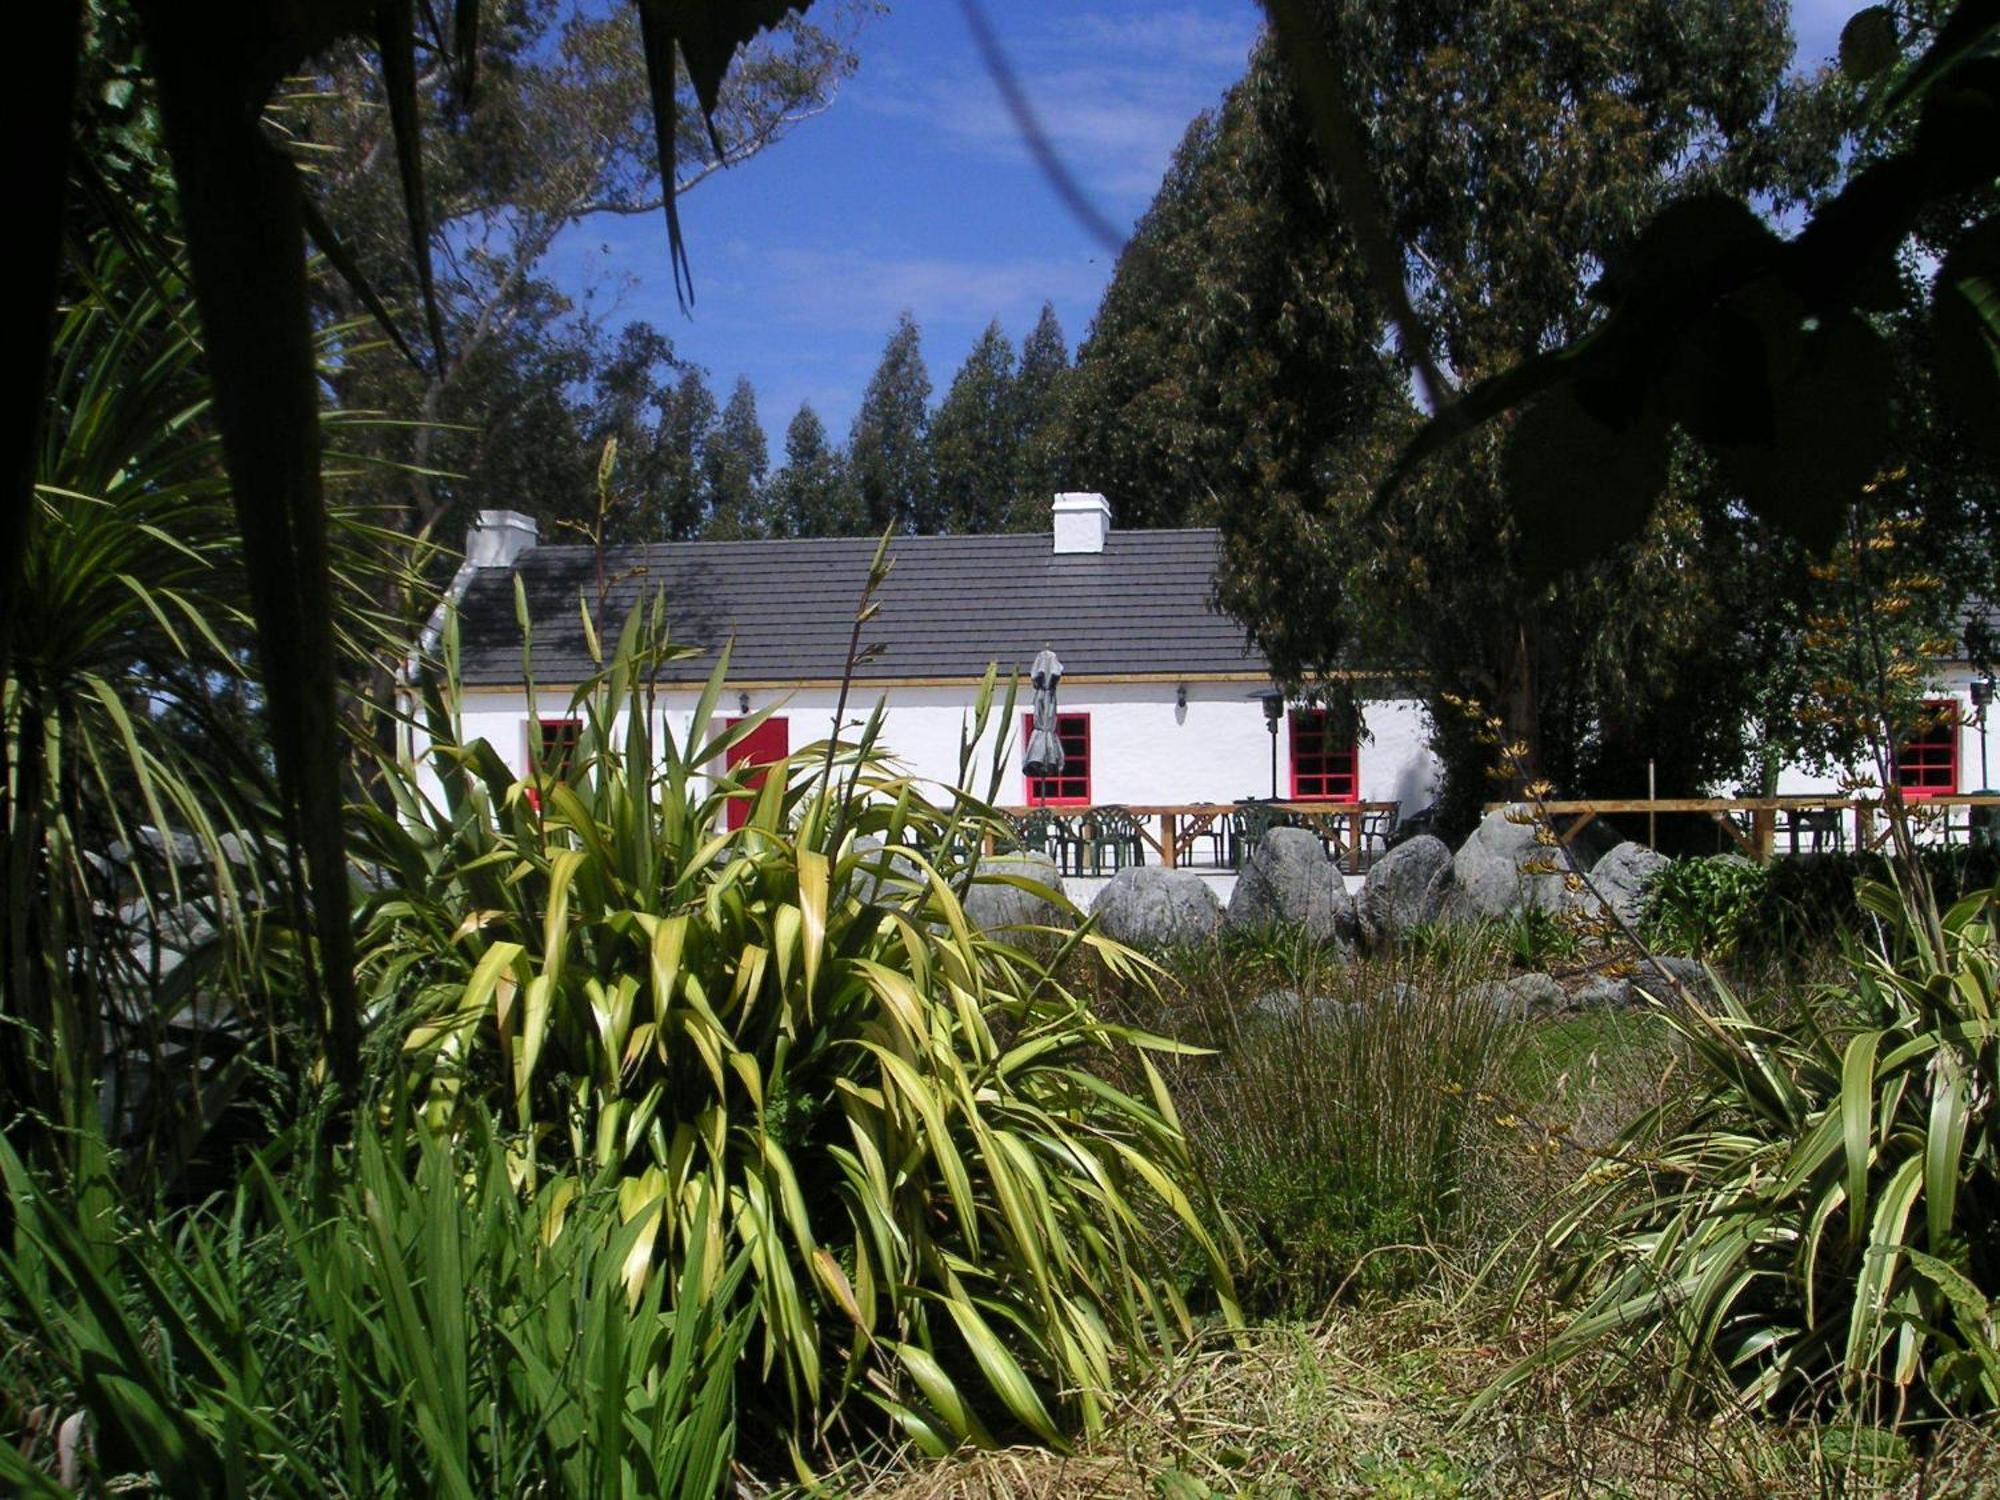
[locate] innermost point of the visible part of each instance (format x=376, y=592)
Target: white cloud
x=1114, y=90
x=851, y=291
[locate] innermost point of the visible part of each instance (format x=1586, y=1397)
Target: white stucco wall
x=1952, y=682
x=1144, y=747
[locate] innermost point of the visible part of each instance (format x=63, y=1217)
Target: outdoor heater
x=1274, y=712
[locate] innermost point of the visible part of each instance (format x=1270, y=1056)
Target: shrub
x=1536, y=938
x=425, y=1333
x=944, y=1207
x=1819, y=1228
x=1809, y=902
x=1701, y=906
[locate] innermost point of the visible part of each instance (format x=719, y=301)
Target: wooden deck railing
x=1753, y=822
x=1171, y=830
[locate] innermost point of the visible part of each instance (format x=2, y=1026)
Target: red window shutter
x=768, y=743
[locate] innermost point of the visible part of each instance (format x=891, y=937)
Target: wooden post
x=1652, y=795
x=1763, y=832
x=1169, y=840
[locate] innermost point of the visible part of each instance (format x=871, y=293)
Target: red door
x=769, y=742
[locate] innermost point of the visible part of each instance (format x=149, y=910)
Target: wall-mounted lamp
x=1180, y=696
x=743, y=702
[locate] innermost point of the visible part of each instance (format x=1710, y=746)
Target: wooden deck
x=1173, y=830
x=1756, y=824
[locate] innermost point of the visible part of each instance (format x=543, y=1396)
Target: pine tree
x=889, y=450
x=734, y=466
x=975, y=438
x=687, y=425
x=1042, y=462
x=810, y=495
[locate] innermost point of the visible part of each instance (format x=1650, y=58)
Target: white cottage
x=1162, y=700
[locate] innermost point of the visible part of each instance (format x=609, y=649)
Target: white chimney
x=1083, y=520
x=499, y=537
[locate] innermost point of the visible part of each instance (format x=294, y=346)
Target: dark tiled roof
x=951, y=605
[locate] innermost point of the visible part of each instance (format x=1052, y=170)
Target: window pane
x=1072, y=785
x=1927, y=762
x=1325, y=767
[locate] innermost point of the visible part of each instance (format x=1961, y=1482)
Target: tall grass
x=1341, y=1122
x=392, y=1328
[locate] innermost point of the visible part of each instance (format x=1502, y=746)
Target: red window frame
x=1927, y=762
x=560, y=736
x=1070, y=788
x=761, y=749
x=1323, y=770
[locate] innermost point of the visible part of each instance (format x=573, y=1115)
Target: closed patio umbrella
x=1045, y=752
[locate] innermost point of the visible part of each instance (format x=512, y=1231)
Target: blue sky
x=914, y=192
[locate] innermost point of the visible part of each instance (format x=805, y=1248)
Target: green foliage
x=1237, y=369
x=1816, y=1230
x=1812, y=902
x=947, y=1210
x=1335, y=1124
x=128, y=719
x=1703, y=907
x=1536, y=938
x=888, y=453
x=1233, y=357
x=1767, y=352
x=370, y=1331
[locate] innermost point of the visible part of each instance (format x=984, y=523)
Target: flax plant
x=1817, y=1231
x=946, y=1208
x=392, y=1328
x=139, y=991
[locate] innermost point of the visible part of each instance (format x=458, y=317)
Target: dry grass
x=1378, y=1398
x=1374, y=1403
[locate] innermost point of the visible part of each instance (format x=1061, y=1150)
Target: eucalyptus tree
x=736, y=465
x=557, y=138
x=1242, y=367
x=811, y=495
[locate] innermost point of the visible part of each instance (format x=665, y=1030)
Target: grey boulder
x=1666, y=978
x=1524, y=995
x=1403, y=889
x=1289, y=880
x=1603, y=992
x=1622, y=876
x=995, y=904
x=884, y=875
x=1292, y=1008
x=1147, y=907
x=1493, y=872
